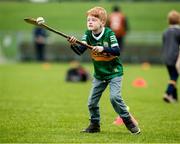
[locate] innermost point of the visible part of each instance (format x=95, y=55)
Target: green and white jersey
x=106, y=66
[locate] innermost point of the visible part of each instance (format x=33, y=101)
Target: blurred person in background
x=77, y=73
x=171, y=43
x=118, y=22
x=40, y=39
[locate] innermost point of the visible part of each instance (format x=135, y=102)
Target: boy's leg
x=116, y=99
x=175, y=94
x=93, y=100
x=93, y=105
x=120, y=107
x=171, y=91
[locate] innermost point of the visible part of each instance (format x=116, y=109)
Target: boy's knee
x=113, y=98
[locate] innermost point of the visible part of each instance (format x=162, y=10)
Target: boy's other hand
x=97, y=49
x=72, y=40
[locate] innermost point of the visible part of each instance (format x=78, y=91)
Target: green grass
x=37, y=105
x=147, y=21
x=70, y=16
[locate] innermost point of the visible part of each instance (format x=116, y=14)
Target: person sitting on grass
x=77, y=73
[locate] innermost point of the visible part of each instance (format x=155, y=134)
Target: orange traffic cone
x=139, y=82
x=118, y=121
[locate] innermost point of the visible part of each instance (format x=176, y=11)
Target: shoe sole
x=169, y=100
x=166, y=100
x=89, y=131
x=138, y=132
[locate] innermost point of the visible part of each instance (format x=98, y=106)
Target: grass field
x=71, y=16
x=147, y=21
x=37, y=105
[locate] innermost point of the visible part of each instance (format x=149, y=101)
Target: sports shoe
x=131, y=125
x=169, y=99
x=92, y=128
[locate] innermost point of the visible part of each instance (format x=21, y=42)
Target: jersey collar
x=98, y=37
x=174, y=26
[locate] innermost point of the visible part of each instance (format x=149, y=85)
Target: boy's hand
x=97, y=49
x=72, y=40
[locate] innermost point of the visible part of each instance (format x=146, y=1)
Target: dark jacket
x=171, y=43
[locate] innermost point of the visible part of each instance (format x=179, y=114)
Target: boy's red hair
x=174, y=17
x=98, y=12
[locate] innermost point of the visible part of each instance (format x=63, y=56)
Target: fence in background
x=140, y=47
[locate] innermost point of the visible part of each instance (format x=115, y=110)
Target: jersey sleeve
x=113, y=40
x=80, y=49
x=84, y=37
x=114, y=47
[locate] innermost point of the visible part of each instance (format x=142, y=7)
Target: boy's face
x=93, y=23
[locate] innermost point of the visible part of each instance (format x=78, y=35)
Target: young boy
x=171, y=43
x=107, y=69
